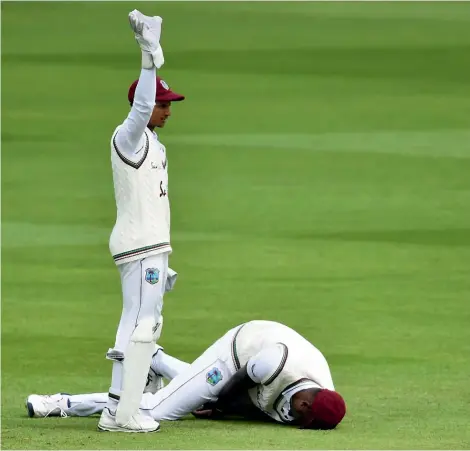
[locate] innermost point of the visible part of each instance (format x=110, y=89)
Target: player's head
x=317, y=408
x=162, y=110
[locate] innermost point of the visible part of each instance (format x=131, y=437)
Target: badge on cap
x=163, y=83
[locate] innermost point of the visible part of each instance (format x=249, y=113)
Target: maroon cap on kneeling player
x=164, y=93
x=328, y=409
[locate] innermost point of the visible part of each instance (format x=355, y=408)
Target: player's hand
x=208, y=411
x=147, y=31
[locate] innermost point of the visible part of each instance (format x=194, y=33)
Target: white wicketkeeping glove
x=170, y=280
x=147, y=32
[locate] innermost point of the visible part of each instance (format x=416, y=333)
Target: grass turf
x=319, y=176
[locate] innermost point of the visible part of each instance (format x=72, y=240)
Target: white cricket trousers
x=194, y=384
x=143, y=286
x=199, y=383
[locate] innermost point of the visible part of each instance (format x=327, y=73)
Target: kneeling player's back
x=256, y=335
x=292, y=359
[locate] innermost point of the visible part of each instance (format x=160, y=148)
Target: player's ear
x=305, y=404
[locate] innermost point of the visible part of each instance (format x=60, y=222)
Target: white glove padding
x=170, y=280
x=147, y=31
x=158, y=58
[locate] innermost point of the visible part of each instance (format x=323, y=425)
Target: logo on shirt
x=152, y=275
x=214, y=376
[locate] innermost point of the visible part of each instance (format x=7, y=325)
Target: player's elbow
x=144, y=107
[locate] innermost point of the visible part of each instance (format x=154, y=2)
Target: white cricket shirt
x=140, y=176
x=281, y=362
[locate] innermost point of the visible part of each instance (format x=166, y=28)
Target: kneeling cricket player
x=284, y=376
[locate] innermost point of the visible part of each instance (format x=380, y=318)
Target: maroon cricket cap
x=328, y=409
x=164, y=93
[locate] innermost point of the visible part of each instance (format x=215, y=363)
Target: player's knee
x=144, y=331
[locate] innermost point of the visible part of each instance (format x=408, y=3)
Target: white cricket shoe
x=137, y=423
x=41, y=406
x=154, y=383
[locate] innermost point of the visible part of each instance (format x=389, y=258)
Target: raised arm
x=130, y=137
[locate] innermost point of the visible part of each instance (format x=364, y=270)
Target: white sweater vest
x=143, y=210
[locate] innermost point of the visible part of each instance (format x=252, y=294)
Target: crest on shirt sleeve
x=214, y=376
x=152, y=275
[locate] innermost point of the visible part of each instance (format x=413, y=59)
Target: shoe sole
x=30, y=408
x=118, y=429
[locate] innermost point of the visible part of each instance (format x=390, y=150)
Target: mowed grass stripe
x=439, y=143
x=20, y=235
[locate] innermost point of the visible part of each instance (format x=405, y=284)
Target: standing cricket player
x=281, y=374
x=140, y=240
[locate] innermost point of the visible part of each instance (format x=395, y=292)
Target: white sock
x=116, y=386
x=116, y=379
x=167, y=366
x=86, y=405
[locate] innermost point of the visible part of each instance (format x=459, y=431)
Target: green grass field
x=319, y=176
